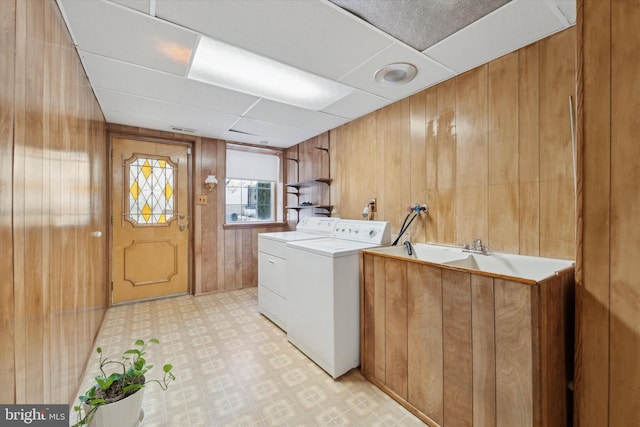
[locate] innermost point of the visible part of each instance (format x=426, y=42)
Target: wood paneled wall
x=224, y=258
x=227, y=258
x=608, y=289
x=52, y=197
x=489, y=151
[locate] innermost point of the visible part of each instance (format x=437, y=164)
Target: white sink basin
x=495, y=263
x=521, y=266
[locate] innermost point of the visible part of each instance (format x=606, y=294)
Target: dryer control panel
x=374, y=232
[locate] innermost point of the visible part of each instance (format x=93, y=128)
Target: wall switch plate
x=201, y=200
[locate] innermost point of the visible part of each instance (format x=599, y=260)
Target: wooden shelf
x=323, y=209
x=298, y=207
x=309, y=183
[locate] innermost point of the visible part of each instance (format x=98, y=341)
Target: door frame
x=189, y=144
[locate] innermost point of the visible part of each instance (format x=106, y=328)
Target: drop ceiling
x=137, y=55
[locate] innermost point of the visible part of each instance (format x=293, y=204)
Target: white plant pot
x=123, y=413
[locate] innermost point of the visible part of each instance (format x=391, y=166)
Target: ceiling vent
x=242, y=132
x=181, y=129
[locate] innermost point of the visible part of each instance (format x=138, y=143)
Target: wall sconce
x=210, y=182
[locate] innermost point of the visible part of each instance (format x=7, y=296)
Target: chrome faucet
x=476, y=247
x=407, y=244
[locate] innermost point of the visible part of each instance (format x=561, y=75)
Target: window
x=253, y=191
x=150, y=186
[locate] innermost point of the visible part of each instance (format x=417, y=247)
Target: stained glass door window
x=150, y=188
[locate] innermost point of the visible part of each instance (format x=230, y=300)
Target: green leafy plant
x=128, y=378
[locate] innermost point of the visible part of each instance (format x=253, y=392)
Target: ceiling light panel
x=221, y=64
x=122, y=77
x=118, y=32
x=312, y=35
x=429, y=72
x=509, y=28
x=287, y=115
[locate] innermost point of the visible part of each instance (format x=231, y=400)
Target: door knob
x=182, y=227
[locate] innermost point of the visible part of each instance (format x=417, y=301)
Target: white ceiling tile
x=567, y=8
x=151, y=123
x=287, y=115
x=509, y=28
x=356, y=104
x=174, y=114
x=118, y=76
x=313, y=35
x=141, y=5
x=429, y=72
x=256, y=140
x=274, y=131
x=113, y=31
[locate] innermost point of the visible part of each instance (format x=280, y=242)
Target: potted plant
x=116, y=398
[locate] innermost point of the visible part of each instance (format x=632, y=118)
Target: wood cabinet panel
x=367, y=317
x=424, y=352
x=396, y=326
x=556, y=308
x=379, y=321
x=457, y=348
x=514, y=363
x=473, y=349
x=484, y=361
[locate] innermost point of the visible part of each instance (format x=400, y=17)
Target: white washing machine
x=323, y=279
x=272, y=264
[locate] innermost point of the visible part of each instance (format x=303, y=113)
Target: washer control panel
x=376, y=232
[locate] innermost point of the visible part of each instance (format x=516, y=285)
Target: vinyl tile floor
x=236, y=368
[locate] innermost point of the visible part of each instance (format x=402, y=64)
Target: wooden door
x=150, y=220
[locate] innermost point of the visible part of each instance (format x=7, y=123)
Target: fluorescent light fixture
x=223, y=65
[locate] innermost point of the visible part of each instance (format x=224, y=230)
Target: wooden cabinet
x=464, y=349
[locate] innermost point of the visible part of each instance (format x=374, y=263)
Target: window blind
x=252, y=166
